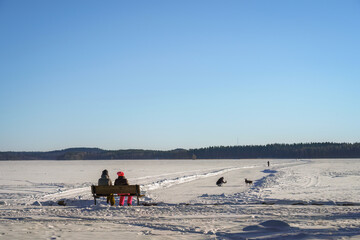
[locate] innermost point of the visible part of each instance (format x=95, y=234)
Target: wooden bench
x=104, y=191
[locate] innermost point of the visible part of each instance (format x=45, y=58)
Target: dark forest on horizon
x=297, y=150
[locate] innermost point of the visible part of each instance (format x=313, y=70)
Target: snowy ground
x=291, y=199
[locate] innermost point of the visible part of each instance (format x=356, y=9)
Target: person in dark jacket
x=121, y=180
x=106, y=181
x=220, y=182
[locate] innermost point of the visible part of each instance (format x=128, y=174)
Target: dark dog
x=248, y=181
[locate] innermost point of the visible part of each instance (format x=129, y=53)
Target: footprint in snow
x=270, y=225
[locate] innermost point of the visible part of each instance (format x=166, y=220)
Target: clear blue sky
x=177, y=74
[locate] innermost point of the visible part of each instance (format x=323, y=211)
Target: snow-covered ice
x=291, y=199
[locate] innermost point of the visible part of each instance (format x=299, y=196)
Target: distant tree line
x=299, y=150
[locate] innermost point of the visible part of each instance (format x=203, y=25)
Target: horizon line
x=179, y=148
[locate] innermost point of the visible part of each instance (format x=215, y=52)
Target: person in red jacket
x=121, y=180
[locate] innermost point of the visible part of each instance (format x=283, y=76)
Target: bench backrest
x=105, y=190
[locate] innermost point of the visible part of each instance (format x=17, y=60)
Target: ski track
x=166, y=183
x=250, y=196
x=85, y=192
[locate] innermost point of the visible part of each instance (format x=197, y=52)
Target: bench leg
x=95, y=200
x=137, y=200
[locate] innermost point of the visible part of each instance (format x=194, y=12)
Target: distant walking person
x=121, y=180
x=268, y=164
x=220, y=182
x=106, y=181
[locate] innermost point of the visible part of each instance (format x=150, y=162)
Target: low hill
x=299, y=150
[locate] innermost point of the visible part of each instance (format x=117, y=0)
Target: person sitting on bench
x=106, y=181
x=121, y=180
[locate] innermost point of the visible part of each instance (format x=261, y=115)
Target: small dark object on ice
x=61, y=203
x=149, y=204
x=248, y=181
x=220, y=182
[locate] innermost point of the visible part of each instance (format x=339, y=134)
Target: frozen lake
x=317, y=199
